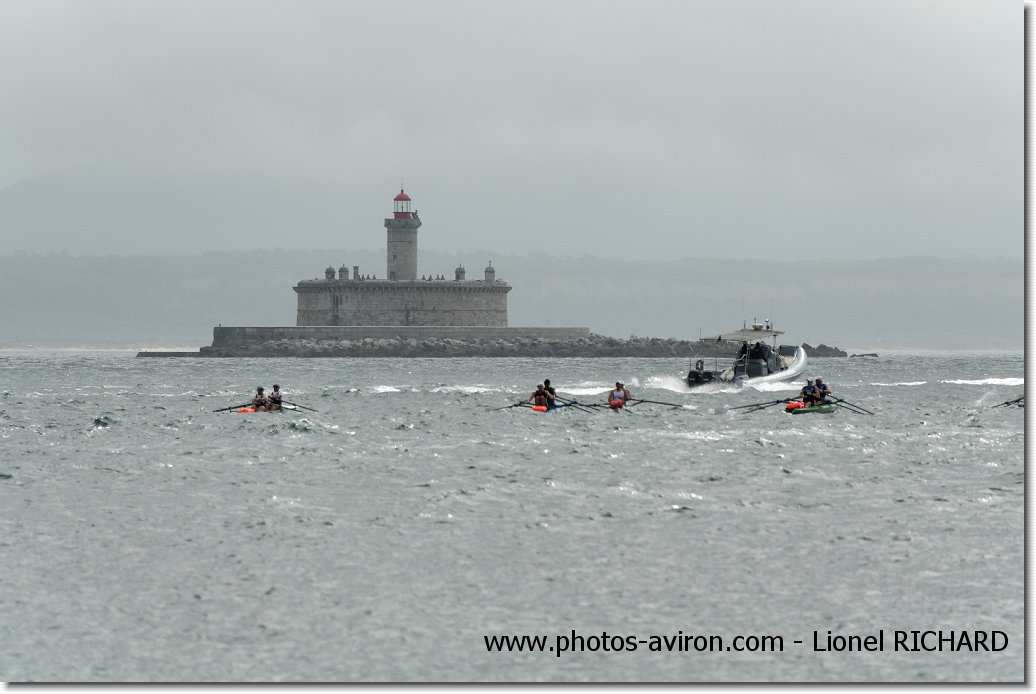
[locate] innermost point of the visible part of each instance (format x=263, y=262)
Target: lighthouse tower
x=402, y=240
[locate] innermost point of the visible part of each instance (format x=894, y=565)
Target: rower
x=259, y=402
x=274, y=397
x=808, y=393
x=541, y=397
x=618, y=397
x=822, y=391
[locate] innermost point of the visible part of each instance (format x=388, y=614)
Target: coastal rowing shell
x=544, y=408
x=826, y=408
x=252, y=409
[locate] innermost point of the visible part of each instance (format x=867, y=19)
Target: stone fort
x=400, y=298
x=352, y=314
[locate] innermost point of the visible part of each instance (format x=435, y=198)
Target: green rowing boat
x=826, y=408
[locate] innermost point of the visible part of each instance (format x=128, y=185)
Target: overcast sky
x=646, y=129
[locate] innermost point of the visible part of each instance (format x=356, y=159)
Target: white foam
x=670, y=383
x=988, y=382
x=775, y=386
x=584, y=390
x=902, y=383
x=467, y=390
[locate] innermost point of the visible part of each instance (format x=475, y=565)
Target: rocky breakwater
x=823, y=350
x=591, y=346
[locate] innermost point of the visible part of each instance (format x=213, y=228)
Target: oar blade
x=852, y=407
x=235, y=407
x=301, y=407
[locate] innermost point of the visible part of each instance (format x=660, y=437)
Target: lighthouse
x=400, y=298
x=401, y=248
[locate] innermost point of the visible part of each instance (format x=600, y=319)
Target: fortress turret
x=401, y=248
x=458, y=274
x=490, y=273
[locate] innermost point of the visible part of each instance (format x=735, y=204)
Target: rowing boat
x=247, y=410
x=798, y=408
x=544, y=408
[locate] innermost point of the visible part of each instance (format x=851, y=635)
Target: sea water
x=405, y=528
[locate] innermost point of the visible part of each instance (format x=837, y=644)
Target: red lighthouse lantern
x=401, y=206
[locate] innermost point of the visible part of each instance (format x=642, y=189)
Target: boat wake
x=674, y=384
x=775, y=387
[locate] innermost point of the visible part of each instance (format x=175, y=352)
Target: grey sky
x=647, y=129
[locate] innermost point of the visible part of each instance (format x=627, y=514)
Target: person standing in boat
x=541, y=397
x=808, y=393
x=274, y=398
x=822, y=391
x=259, y=402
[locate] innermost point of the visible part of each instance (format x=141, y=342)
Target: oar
x=1010, y=402
x=235, y=407
x=761, y=405
x=583, y=405
x=505, y=407
x=573, y=403
x=655, y=402
x=301, y=407
x=851, y=407
x=578, y=405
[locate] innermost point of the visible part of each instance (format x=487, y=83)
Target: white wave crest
x=775, y=387
x=988, y=382
x=902, y=383
x=578, y=390
x=467, y=390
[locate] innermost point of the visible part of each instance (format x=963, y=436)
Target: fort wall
x=236, y=336
x=393, y=303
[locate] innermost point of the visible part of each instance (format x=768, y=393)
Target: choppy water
x=146, y=538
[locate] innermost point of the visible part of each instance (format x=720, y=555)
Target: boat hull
x=826, y=408
x=547, y=410
x=794, y=368
x=251, y=410
x=700, y=378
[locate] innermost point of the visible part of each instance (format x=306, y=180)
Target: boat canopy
x=745, y=335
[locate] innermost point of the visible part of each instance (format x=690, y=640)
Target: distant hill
x=62, y=300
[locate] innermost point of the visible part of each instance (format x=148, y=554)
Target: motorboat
x=759, y=358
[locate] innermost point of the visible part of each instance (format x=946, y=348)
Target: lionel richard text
x=911, y=640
